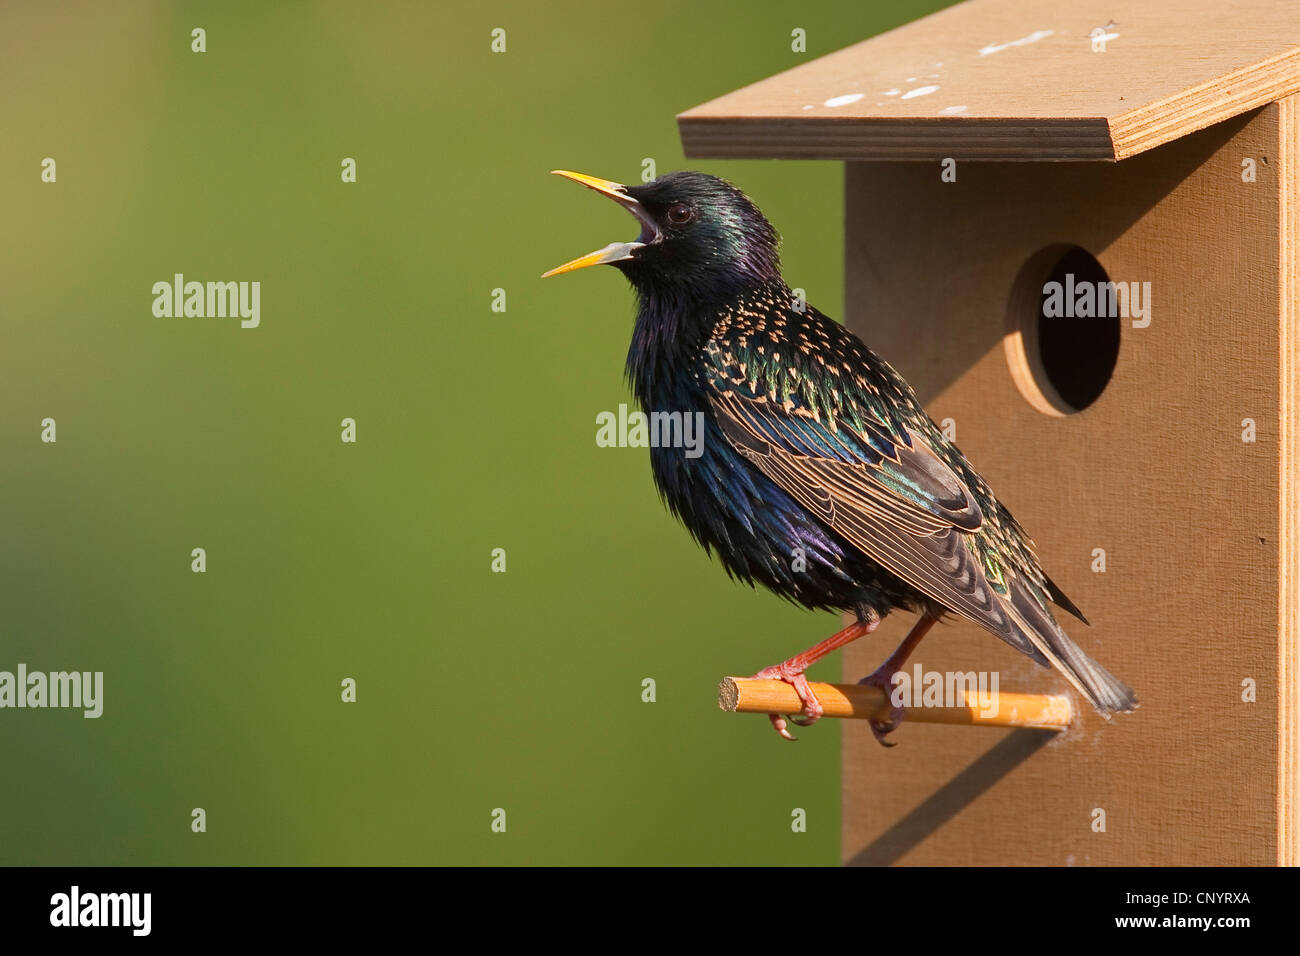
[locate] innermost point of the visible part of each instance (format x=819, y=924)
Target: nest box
x=1074, y=228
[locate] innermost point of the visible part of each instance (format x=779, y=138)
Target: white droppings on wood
x=920, y=91
x=844, y=100
x=1023, y=41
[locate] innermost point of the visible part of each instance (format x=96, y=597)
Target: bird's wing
x=838, y=429
x=877, y=482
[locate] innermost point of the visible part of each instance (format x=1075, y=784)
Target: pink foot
x=792, y=671
x=882, y=677
x=812, y=708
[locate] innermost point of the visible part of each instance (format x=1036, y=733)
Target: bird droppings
x=952, y=110
x=920, y=91
x=808, y=107
x=844, y=100
x=893, y=91
x=1023, y=41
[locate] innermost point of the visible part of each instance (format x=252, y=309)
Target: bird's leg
x=792, y=671
x=883, y=676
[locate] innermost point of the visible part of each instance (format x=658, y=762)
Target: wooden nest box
x=1074, y=227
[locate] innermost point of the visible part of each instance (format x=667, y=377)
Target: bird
x=821, y=476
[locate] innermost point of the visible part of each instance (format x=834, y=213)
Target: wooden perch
x=744, y=695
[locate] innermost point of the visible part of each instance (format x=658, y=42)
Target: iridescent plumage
x=822, y=477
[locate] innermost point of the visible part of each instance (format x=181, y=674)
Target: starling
x=815, y=447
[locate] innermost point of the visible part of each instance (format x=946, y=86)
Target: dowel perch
x=743, y=695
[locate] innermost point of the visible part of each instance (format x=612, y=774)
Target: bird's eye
x=679, y=214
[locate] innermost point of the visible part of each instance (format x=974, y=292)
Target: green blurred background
x=476, y=430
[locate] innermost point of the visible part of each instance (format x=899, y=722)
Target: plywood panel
x=1289, y=482
x=1016, y=79
x=1155, y=472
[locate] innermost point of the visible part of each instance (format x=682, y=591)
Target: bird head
x=700, y=236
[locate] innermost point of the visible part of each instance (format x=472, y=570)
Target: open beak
x=615, y=251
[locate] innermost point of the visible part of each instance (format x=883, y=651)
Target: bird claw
x=881, y=729
x=812, y=708
x=778, y=724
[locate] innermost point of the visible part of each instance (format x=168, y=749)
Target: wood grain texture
x=1199, y=527
x=1024, y=80
x=1289, y=484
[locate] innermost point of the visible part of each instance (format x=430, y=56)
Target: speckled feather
x=840, y=400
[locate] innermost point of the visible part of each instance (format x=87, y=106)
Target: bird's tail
x=1106, y=692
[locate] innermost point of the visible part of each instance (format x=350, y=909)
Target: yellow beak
x=615, y=251
x=611, y=189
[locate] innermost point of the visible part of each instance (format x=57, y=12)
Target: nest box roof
x=1017, y=80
